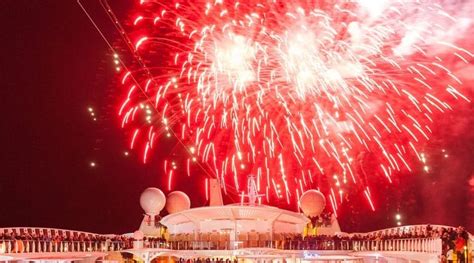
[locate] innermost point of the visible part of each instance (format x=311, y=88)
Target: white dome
x=177, y=201
x=312, y=202
x=152, y=200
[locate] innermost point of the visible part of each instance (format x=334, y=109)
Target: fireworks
x=298, y=93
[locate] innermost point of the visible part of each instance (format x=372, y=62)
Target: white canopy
x=234, y=212
x=248, y=217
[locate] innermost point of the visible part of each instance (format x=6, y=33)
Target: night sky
x=54, y=66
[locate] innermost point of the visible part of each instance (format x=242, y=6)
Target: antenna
x=252, y=191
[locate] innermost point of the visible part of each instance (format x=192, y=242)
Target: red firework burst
x=297, y=93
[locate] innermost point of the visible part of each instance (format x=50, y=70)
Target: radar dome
x=152, y=201
x=312, y=202
x=177, y=201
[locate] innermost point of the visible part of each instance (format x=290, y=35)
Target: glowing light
x=294, y=91
x=369, y=199
x=423, y=158
x=170, y=178
x=398, y=217
x=206, y=186
x=92, y=164
x=138, y=19
x=140, y=42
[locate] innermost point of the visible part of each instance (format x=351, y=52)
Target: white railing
x=46, y=231
x=38, y=246
x=56, y=240
x=419, y=229
x=424, y=245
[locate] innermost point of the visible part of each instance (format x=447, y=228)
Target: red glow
x=295, y=91
x=170, y=177
x=140, y=42
x=206, y=186
x=138, y=19
x=367, y=194
x=134, y=137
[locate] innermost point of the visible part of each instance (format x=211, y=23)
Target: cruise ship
x=242, y=232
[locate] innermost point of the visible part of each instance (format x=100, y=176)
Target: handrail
x=42, y=246
x=48, y=229
x=422, y=245
x=43, y=239
x=407, y=228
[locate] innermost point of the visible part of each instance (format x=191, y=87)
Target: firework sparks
x=291, y=91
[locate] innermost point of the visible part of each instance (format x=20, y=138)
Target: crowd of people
x=317, y=242
x=324, y=219
x=155, y=242
x=14, y=242
x=207, y=260
x=453, y=240
x=454, y=244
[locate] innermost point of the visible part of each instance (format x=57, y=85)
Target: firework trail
x=298, y=93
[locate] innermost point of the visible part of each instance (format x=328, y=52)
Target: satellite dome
x=312, y=202
x=152, y=200
x=177, y=201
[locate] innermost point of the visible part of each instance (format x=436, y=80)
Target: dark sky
x=54, y=65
